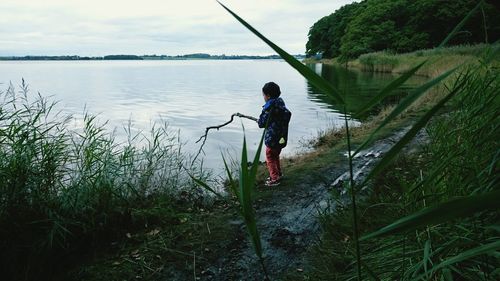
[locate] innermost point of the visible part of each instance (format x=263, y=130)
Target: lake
x=191, y=95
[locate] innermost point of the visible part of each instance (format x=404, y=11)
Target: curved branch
x=204, y=137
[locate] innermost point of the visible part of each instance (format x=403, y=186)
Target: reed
x=440, y=204
x=439, y=59
x=66, y=190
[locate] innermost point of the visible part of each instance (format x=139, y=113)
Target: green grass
x=66, y=192
x=460, y=159
x=181, y=249
x=439, y=59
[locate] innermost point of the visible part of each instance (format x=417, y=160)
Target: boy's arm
x=263, y=118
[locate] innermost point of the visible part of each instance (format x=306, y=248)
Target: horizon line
x=142, y=55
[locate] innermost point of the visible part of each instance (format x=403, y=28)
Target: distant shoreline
x=200, y=56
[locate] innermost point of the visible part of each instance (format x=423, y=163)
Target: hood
x=278, y=102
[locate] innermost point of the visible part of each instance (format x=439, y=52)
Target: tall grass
x=426, y=216
x=460, y=162
x=64, y=190
x=439, y=59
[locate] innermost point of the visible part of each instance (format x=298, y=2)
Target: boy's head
x=271, y=90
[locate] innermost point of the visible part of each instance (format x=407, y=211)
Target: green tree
x=317, y=37
x=400, y=26
x=376, y=27
x=436, y=19
x=325, y=35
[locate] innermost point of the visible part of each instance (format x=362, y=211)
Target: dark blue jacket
x=276, y=116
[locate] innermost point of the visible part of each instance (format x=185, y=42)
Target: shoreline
x=143, y=57
x=438, y=60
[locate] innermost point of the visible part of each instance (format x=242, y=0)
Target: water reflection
x=357, y=87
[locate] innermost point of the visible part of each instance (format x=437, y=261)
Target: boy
x=275, y=118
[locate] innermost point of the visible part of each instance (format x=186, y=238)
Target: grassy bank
x=439, y=59
x=459, y=159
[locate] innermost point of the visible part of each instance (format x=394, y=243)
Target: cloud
x=94, y=27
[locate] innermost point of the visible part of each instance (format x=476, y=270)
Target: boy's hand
x=245, y=116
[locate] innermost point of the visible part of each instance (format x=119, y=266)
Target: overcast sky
x=101, y=27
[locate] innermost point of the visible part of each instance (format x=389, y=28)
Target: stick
x=204, y=137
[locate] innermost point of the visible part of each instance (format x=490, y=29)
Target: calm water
x=191, y=95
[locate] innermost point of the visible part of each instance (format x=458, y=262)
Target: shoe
x=280, y=178
x=271, y=183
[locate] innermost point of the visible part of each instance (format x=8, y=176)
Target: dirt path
x=288, y=224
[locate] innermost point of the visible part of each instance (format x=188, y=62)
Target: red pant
x=273, y=162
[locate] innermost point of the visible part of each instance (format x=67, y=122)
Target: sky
x=103, y=27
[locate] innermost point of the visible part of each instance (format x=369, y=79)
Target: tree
x=325, y=35
x=400, y=26
x=378, y=26
x=438, y=18
x=317, y=37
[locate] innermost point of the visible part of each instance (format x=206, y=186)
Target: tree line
x=400, y=26
x=150, y=57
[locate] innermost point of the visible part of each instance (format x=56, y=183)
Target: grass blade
x=246, y=191
x=373, y=276
x=409, y=135
x=206, y=186
x=255, y=163
x=443, y=212
x=232, y=185
x=434, y=174
x=427, y=249
x=388, y=89
x=405, y=103
x=370, y=272
x=460, y=24
x=481, y=250
x=310, y=75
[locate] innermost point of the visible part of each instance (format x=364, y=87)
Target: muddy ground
x=288, y=221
